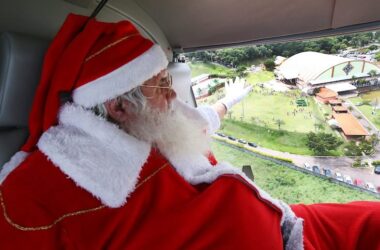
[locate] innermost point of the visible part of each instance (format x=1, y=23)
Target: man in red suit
x=125, y=164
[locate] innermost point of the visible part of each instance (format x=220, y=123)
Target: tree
x=229, y=114
x=199, y=91
x=279, y=122
x=321, y=143
x=377, y=56
x=351, y=149
x=362, y=147
x=372, y=47
x=241, y=71
x=318, y=126
x=269, y=64
x=372, y=73
x=374, y=140
x=316, y=90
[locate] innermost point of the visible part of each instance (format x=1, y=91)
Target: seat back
x=21, y=60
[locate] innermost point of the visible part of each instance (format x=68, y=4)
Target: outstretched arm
x=234, y=93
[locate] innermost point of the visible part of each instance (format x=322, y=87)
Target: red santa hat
x=95, y=62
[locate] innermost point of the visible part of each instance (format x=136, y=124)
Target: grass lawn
x=255, y=61
x=260, y=77
x=287, y=184
x=199, y=68
x=285, y=141
x=264, y=109
x=367, y=109
x=255, y=117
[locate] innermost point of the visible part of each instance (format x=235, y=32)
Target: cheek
x=157, y=102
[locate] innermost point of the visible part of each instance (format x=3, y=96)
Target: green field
x=265, y=108
x=288, y=184
x=285, y=141
x=255, y=118
x=199, y=68
x=260, y=77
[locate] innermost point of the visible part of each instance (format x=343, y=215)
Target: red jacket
x=91, y=186
x=43, y=209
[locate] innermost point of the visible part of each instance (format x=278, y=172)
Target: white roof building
x=316, y=68
x=341, y=87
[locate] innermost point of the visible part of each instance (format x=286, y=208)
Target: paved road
x=336, y=164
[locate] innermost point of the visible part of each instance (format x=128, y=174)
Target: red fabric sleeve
x=354, y=225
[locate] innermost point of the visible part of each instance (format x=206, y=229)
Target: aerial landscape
x=314, y=106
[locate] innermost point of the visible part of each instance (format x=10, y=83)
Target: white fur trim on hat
x=123, y=79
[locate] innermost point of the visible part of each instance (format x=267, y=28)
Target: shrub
x=269, y=64
x=377, y=162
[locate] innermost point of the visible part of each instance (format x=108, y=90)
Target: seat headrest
x=21, y=60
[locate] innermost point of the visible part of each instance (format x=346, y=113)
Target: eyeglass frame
x=169, y=81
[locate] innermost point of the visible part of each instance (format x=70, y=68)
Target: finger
x=237, y=80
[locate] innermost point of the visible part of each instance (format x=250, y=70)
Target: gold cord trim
x=80, y=212
x=109, y=46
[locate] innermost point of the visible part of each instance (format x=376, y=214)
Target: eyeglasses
x=164, y=86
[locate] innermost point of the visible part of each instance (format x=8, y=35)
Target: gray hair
x=134, y=97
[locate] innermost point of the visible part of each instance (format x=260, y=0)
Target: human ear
x=116, y=110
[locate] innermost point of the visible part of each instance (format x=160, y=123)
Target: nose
x=171, y=94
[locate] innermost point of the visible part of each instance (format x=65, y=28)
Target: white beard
x=172, y=132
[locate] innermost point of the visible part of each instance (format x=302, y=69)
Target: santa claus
x=126, y=165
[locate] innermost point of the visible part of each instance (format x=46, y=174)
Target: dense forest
x=235, y=57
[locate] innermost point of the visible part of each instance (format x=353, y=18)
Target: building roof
x=340, y=87
x=339, y=108
x=349, y=124
x=335, y=101
x=279, y=60
x=338, y=79
x=326, y=93
x=308, y=65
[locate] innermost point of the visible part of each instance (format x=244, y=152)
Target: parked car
x=252, y=144
x=242, y=141
x=220, y=134
x=338, y=176
x=316, y=169
x=370, y=187
x=307, y=166
x=327, y=172
x=347, y=179
x=358, y=182
x=231, y=138
x=377, y=170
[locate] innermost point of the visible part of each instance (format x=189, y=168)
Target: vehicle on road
x=316, y=169
x=347, y=179
x=231, y=138
x=252, y=144
x=339, y=176
x=327, y=172
x=370, y=187
x=242, y=141
x=308, y=166
x=358, y=182
x=377, y=170
x=221, y=134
